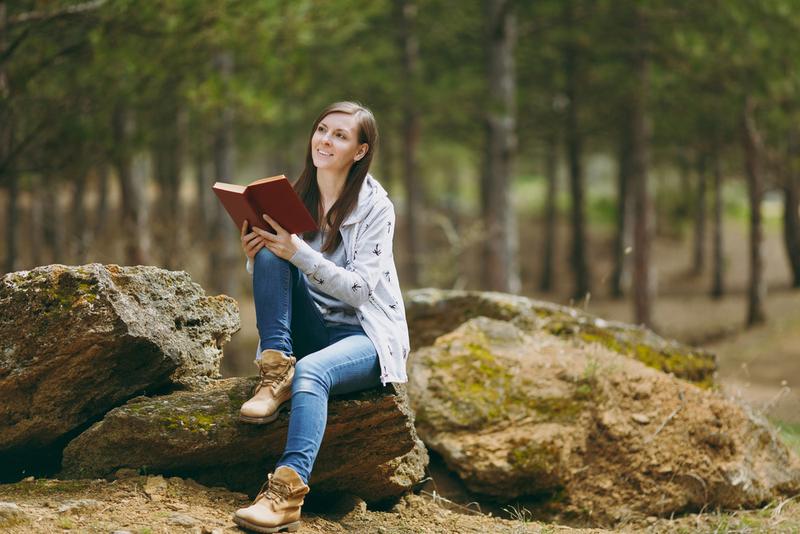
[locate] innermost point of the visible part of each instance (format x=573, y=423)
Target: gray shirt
x=333, y=310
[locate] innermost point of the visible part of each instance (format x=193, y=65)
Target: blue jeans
x=331, y=359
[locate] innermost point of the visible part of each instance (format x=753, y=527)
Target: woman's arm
x=354, y=283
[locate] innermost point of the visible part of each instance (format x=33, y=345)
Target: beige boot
x=277, y=508
x=273, y=392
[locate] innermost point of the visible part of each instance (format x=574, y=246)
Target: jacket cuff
x=306, y=258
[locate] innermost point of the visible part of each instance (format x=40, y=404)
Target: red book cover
x=274, y=196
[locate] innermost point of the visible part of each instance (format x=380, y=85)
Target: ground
x=153, y=505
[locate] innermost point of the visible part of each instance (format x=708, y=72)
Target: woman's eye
x=340, y=136
x=320, y=128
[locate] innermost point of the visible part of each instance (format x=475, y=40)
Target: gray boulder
x=516, y=413
x=433, y=312
x=77, y=341
x=370, y=448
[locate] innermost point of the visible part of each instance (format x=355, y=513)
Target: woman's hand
x=251, y=243
x=282, y=243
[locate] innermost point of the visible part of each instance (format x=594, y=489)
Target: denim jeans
x=331, y=360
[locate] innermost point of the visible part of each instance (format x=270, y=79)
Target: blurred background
x=639, y=159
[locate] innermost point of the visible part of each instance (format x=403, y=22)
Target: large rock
x=77, y=341
x=518, y=414
x=370, y=447
x=433, y=312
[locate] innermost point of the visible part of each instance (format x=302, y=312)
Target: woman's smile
x=335, y=142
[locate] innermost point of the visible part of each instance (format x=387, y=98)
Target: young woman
x=329, y=310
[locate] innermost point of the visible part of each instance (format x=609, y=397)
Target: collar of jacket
x=370, y=192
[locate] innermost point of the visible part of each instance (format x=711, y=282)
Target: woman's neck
x=330, y=187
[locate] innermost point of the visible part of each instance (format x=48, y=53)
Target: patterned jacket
x=368, y=281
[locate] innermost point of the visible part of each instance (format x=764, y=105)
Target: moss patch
x=475, y=384
x=684, y=364
x=539, y=462
x=477, y=388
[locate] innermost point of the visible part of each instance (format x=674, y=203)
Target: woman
x=328, y=307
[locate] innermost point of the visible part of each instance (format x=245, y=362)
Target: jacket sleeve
x=354, y=283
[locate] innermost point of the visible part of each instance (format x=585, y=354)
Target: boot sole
x=288, y=527
x=266, y=419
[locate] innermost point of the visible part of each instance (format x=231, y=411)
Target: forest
x=613, y=155
x=606, y=180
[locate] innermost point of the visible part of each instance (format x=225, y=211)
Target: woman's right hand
x=251, y=243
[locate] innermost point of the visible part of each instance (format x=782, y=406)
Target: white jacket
x=368, y=281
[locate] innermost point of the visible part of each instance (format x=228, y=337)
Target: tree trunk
x=642, y=220
x=623, y=206
x=717, y=283
x=166, y=160
x=79, y=235
x=12, y=216
x=407, y=14
x=36, y=224
x=757, y=288
x=501, y=270
x=132, y=196
x=7, y=175
x=201, y=219
x=574, y=138
x=548, y=248
x=53, y=230
x=699, y=256
x=791, y=205
x=101, y=211
x=220, y=238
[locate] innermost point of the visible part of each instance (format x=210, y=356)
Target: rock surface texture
x=517, y=412
x=77, y=341
x=433, y=312
x=370, y=447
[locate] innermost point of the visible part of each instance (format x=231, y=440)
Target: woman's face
x=334, y=144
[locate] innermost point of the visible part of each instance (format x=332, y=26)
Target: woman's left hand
x=282, y=244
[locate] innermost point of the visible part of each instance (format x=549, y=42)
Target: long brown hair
x=308, y=189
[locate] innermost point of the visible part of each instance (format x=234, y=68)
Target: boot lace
x=274, y=377
x=275, y=490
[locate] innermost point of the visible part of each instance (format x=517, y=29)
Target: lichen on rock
x=434, y=312
x=76, y=341
x=370, y=447
x=520, y=414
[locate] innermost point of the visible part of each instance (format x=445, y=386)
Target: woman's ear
x=362, y=151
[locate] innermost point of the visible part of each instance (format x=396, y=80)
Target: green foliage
x=790, y=433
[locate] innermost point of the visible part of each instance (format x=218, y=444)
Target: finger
x=254, y=247
x=249, y=238
x=244, y=227
x=266, y=235
x=277, y=227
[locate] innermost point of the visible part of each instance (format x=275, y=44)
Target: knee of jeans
x=265, y=259
x=309, y=377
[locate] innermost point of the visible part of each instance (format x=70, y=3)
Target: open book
x=274, y=196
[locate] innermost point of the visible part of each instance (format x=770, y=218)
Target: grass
x=790, y=433
x=66, y=523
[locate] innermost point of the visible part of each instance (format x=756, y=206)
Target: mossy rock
x=370, y=446
x=434, y=312
x=521, y=415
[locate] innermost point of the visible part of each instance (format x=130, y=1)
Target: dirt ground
x=155, y=505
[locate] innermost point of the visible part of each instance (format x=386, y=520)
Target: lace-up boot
x=273, y=392
x=278, y=507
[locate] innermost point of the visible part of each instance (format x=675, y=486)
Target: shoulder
x=373, y=202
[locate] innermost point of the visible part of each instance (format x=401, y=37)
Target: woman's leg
x=283, y=305
x=349, y=364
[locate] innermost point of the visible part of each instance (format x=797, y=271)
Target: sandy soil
x=154, y=505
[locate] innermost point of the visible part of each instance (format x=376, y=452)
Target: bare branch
x=37, y=16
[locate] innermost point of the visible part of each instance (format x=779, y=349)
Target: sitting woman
x=329, y=310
